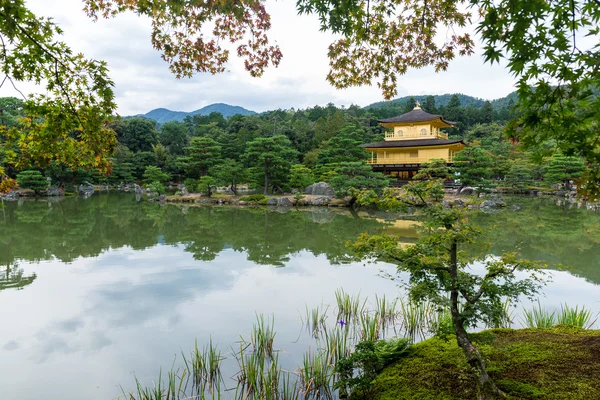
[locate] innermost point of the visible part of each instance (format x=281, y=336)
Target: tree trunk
x=487, y=388
x=266, y=191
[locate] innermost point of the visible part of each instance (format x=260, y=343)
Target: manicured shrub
x=253, y=197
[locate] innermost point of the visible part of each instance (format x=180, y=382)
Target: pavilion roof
x=416, y=115
x=411, y=143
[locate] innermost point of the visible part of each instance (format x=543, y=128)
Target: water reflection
x=112, y=286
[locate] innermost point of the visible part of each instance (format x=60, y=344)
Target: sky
x=143, y=81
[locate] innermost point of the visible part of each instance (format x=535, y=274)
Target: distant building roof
x=416, y=115
x=411, y=143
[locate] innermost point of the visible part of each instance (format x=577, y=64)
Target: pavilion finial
x=417, y=105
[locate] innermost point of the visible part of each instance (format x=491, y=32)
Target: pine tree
x=202, y=154
x=564, y=169
x=473, y=166
x=33, y=180
x=271, y=159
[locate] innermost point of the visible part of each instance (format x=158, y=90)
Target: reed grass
x=263, y=336
x=416, y=318
x=538, y=317
x=577, y=317
x=349, y=307
x=370, y=326
x=316, y=320
x=316, y=376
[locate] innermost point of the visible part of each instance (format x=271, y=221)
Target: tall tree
x=343, y=147
x=429, y=105
x=174, y=136
x=410, y=104
x=230, y=173
x=271, y=158
x=138, y=134
x=202, y=154
x=487, y=112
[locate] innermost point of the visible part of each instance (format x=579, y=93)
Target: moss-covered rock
x=558, y=363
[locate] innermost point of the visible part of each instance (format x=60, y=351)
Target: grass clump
x=555, y=363
x=253, y=198
x=539, y=317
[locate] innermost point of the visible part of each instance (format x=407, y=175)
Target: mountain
x=443, y=99
x=162, y=115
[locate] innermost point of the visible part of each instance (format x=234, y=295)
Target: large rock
x=284, y=202
x=493, y=203
x=320, y=201
x=182, y=190
x=459, y=203
x=467, y=190
x=272, y=201
x=320, y=189
x=53, y=191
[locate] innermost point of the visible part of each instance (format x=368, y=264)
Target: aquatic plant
x=349, y=307
x=316, y=375
x=315, y=320
x=415, y=317
x=538, y=317
x=370, y=326
x=577, y=317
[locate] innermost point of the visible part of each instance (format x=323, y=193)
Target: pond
x=96, y=292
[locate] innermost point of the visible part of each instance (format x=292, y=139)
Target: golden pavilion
x=415, y=139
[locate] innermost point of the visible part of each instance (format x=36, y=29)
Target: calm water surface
x=93, y=291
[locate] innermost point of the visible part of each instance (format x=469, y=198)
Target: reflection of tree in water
x=73, y=227
x=11, y=277
x=568, y=236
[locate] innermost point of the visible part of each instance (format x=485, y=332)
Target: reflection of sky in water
x=82, y=328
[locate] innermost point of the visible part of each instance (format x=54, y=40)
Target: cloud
x=144, y=82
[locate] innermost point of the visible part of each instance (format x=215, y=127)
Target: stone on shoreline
x=320, y=189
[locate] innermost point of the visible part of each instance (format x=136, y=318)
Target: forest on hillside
x=282, y=150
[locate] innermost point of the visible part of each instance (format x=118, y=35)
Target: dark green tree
x=142, y=160
x=207, y=185
x=519, y=175
x=486, y=113
x=473, y=166
x=271, y=158
x=301, y=177
x=429, y=105
x=343, y=147
x=230, y=173
x=434, y=169
x=33, y=180
x=138, y=134
x=202, y=154
x=174, y=136
x=155, y=174
x=410, y=104
x=564, y=169
x=352, y=177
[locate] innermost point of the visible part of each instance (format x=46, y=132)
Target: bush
x=357, y=372
x=156, y=187
x=190, y=185
x=253, y=197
